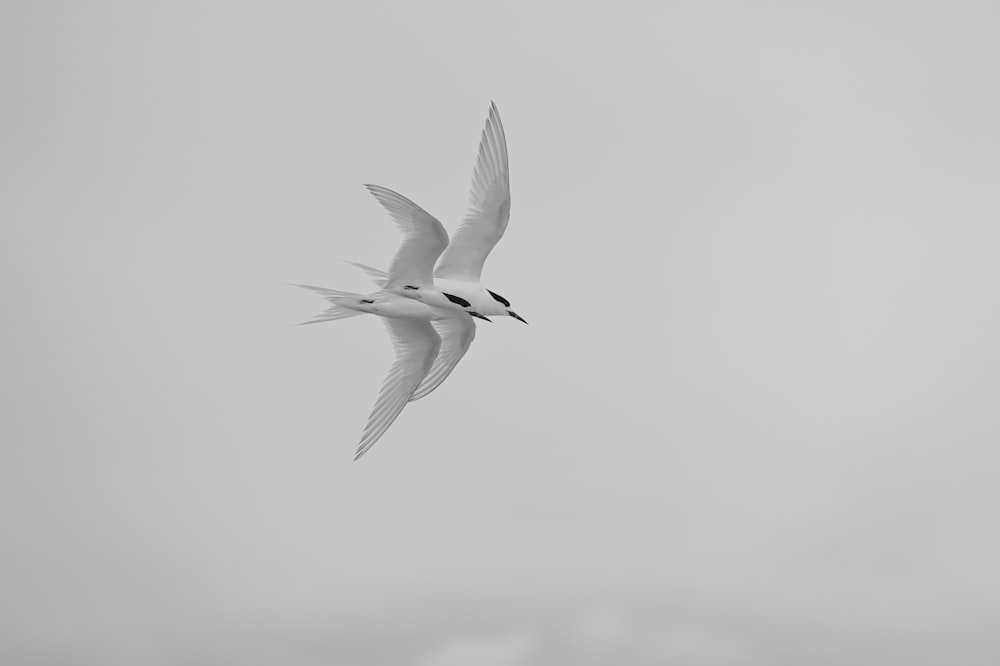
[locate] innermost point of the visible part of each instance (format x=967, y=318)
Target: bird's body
x=429, y=311
x=382, y=303
x=480, y=299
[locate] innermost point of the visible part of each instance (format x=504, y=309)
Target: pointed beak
x=479, y=316
x=516, y=316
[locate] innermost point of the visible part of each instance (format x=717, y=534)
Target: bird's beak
x=516, y=316
x=479, y=316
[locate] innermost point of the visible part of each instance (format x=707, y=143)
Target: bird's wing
x=377, y=276
x=457, y=334
x=424, y=239
x=489, y=208
x=416, y=343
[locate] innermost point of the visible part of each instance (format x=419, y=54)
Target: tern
x=413, y=324
x=460, y=267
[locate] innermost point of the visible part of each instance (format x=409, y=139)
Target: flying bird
x=428, y=311
x=460, y=266
x=411, y=322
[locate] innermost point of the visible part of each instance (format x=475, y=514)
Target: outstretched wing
x=489, y=208
x=457, y=334
x=416, y=343
x=424, y=239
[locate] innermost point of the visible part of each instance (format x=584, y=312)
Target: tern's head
x=506, y=304
x=464, y=304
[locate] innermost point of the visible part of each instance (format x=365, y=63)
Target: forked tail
x=336, y=310
x=377, y=276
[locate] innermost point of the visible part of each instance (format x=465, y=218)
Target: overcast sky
x=753, y=421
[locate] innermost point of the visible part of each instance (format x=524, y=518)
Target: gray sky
x=753, y=421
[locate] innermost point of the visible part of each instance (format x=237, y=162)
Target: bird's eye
x=501, y=299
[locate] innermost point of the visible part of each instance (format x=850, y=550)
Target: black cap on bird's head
x=499, y=299
x=504, y=302
x=458, y=300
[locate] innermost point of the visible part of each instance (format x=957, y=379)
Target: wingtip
x=378, y=191
x=364, y=446
x=389, y=198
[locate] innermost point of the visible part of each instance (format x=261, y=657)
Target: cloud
x=513, y=649
x=598, y=638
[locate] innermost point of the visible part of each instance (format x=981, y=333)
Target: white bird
x=460, y=267
x=411, y=323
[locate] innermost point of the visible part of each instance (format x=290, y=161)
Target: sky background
x=753, y=421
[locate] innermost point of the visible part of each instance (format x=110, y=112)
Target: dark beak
x=516, y=316
x=479, y=316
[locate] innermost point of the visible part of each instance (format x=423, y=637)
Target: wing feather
x=489, y=207
x=457, y=334
x=424, y=239
x=417, y=344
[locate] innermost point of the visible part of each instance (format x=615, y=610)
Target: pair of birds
x=427, y=309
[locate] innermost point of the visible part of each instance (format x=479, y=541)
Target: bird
x=460, y=266
x=411, y=323
x=459, y=269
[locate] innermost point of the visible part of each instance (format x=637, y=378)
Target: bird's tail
x=377, y=276
x=337, y=309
